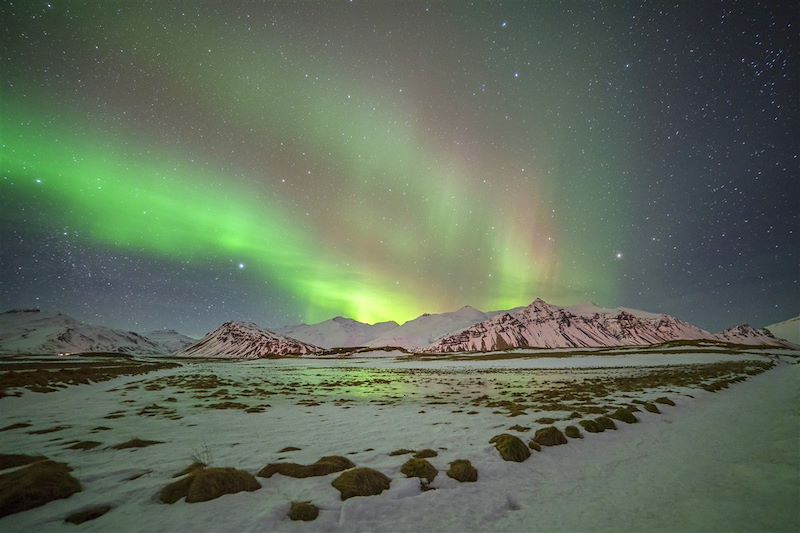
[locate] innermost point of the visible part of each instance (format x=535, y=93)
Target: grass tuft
x=324, y=466
x=35, y=485
x=463, y=471
x=361, y=482
x=419, y=468
x=511, y=448
x=305, y=511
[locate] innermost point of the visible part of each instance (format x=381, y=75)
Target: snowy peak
x=171, y=340
x=539, y=310
x=32, y=318
x=747, y=334
x=788, y=330
x=427, y=328
x=540, y=305
x=245, y=340
x=338, y=332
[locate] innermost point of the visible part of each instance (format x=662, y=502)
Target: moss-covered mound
x=591, y=426
x=324, y=466
x=549, y=436
x=35, y=485
x=664, y=401
x=86, y=515
x=305, y=511
x=511, y=448
x=652, y=408
x=534, y=446
x=18, y=425
x=361, y=482
x=419, y=468
x=13, y=460
x=425, y=454
x=573, y=432
x=135, y=443
x=624, y=415
x=401, y=451
x=175, y=491
x=462, y=470
x=605, y=423
x=206, y=484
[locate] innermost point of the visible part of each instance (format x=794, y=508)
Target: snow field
x=633, y=478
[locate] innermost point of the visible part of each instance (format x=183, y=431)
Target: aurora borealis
x=177, y=164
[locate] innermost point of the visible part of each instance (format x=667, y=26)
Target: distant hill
x=245, y=340
x=788, y=329
x=35, y=331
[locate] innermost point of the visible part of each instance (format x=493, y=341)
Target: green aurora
x=328, y=182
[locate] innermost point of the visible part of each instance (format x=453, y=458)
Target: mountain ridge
x=37, y=331
x=543, y=325
x=538, y=325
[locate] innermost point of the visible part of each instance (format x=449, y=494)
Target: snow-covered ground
x=717, y=461
x=589, y=361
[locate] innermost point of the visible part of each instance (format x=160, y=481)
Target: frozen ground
x=715, y=461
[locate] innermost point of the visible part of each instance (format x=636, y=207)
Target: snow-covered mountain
x=788, y=329
x=417, y=333
x=170, y=340
x=338, y=332
x=427, y=328
x=35, y=331
x=244, y=340
x=747, y=334
x=542, y=325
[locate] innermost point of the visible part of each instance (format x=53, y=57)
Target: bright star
x=619, y=255
x=241, y=266
x=504, y=24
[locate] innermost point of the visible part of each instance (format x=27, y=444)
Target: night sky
x=178, y=164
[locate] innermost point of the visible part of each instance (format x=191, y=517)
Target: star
x=504, y=24
x=618, y=255
x=241, y=266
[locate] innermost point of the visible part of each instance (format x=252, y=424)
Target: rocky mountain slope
x=747, y=334
x=244, y=340
x=542, y=325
